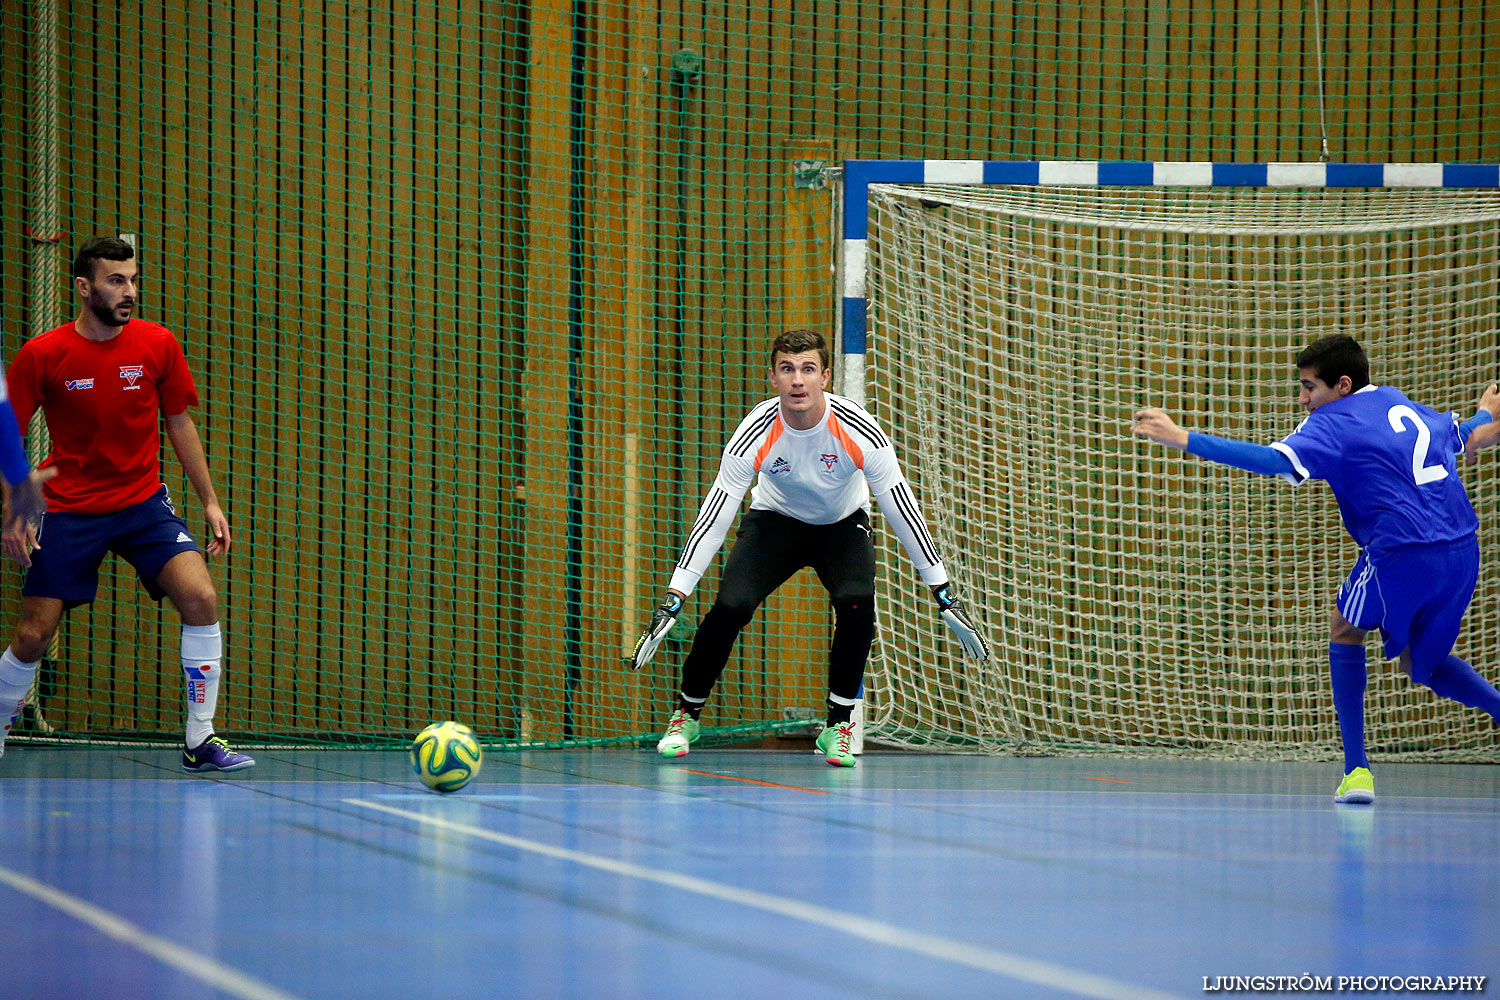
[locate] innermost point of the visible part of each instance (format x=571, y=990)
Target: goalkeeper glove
x=958, y=620
x=662, y=620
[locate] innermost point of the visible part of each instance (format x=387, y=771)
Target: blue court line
x=199, y=966
x=1030, y=970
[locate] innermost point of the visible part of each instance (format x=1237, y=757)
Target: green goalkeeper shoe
x=1358, y=786
x=681, y=732
x=834, y=742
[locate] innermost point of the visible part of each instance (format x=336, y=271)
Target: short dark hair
x=100, y=248
x=1334, y=356
x=800, y=341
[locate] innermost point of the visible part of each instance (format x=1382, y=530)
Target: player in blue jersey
x=24, y=506
x=24, y=502
x=1391, y=464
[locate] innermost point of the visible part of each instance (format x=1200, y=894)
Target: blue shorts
x=1416, y=595
x=66, y=567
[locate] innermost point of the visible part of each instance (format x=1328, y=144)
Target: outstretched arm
x=1156, y=425
x=1262, y=459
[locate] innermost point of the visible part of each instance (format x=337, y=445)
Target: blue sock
x=1456, y=680
x=1346, y=668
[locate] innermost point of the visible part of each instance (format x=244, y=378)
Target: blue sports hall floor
x=733, y=873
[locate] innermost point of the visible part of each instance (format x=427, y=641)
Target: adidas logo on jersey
x=779, y=466
x=182, y=536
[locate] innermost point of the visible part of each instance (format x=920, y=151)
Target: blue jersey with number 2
x=1390, y=463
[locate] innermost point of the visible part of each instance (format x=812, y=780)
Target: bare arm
x=1487, y=435
x=1490, y=400
x=183, y=434
x=1156, y=425
x=23, y=509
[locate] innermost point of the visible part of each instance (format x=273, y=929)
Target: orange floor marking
x=752, y=781
x=1117, y=781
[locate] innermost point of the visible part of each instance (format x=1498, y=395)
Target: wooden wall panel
x=645, y=72
x=546, y=377
x=354, y=385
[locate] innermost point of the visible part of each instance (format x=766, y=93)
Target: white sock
x=15, y=683
x=202, y=650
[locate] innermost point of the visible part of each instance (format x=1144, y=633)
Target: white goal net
x=1140, y=600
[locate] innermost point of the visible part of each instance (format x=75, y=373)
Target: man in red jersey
x=104, y=383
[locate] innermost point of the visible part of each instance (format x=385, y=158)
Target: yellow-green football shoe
x=1357, y=787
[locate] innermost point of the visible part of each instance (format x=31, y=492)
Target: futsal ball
x=446, y=756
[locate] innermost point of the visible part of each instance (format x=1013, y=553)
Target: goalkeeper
x=818, y=457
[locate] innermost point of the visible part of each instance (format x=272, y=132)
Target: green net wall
x=474, y=294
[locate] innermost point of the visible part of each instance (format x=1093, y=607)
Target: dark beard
x=105, y=315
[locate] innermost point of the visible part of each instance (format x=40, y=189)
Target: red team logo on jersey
x=829, y=461
x=131, y=374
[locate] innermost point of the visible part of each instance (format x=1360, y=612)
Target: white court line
x=200, y=967
x=1030, y=970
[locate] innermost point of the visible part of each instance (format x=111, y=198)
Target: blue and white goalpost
x=1004, y=318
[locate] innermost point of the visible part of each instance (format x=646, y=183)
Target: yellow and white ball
x=446, y=756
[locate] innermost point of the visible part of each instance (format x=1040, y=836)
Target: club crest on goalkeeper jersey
x=1390, y=463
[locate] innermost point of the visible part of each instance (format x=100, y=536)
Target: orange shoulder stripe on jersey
x=837, y=430
x=772, y=434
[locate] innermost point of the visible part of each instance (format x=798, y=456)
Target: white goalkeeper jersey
x=818, y=476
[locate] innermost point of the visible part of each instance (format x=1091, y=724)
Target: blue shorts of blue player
x=1416, y=595
x=147, y=535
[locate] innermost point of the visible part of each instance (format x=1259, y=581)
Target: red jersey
x=103, y=404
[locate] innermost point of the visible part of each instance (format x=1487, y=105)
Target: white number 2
x=1422, y=472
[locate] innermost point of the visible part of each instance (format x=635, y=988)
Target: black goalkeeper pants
x=768, y=550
